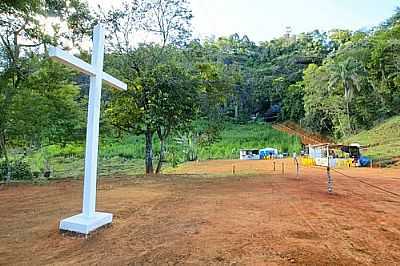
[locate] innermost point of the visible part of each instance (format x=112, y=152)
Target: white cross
x=89, y=219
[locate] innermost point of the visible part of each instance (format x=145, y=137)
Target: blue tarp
x=268, y=152
x=364, y=161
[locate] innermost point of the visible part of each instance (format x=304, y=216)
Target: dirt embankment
x=306, y=137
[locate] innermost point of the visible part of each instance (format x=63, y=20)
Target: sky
x=264, y=20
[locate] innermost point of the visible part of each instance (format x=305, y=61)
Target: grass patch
x=383, y=141
x=249, y=136
x=125, y=155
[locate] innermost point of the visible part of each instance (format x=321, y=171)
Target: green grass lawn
x=125, y=155
x=383, y=140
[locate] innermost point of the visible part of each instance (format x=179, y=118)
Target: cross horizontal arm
x=113, y=82
x=70, y=60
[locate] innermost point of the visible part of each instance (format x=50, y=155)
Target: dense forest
x=182, y=89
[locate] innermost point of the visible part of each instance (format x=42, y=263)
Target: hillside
x=383, y=141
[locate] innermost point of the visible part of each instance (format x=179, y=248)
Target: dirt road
x=256, y=217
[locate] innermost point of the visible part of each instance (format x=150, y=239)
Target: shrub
x=3, y=169
x=20, y=170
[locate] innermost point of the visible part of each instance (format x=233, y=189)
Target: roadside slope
x=383, y=141
x=306, y=137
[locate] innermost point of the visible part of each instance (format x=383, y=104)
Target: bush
x=20, y=170
x=3, y=170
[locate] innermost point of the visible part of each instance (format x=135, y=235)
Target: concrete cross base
x=84, y=225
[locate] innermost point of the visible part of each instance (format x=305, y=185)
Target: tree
x=22, y=37
x=384, y=69
x=340, y=37
x=220, y=79
x=169, y=21
x=317, y=100
x=347, y=75
x=216, y=87
x=162, y=100
x=293, y=102
x=280, y=63
x=47, y=108
x=175, y=101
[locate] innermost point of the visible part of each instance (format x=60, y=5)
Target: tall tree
x=384, y=69
x=349, y=76
x=168, y=21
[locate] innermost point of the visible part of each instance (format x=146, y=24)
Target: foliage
x=19, y=170
x=162, y=97
x=347, y=75
x=357, y=85
x=49, y=95
x=37, y=99
x=162, y=90
x=188, y=141
x=293, y=102
x=203, y=135
x=170, y=19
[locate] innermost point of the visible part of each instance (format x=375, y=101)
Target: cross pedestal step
x=84, y=225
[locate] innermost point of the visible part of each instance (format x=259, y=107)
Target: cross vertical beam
x=89, y=220
x=93, y=118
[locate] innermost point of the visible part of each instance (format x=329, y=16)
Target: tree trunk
x=162, y=153
x=236, y=111
x=348, y=115
x=4, y=152
x=149, y=152
x=162, y=135
x=8, y=176
x=2, y=146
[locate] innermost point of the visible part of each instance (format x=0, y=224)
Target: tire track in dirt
x=350, y=181
x=362, y=212
x=300, y=214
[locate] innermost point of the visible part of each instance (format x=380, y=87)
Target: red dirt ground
x=256, y=217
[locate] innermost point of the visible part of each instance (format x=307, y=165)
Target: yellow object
x=307, y=161
x=344, y=163
x=341, y=163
